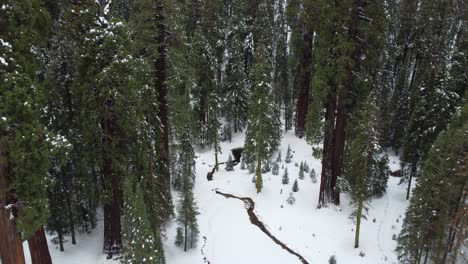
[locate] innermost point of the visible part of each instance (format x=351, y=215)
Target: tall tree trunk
x=413, y=172
x=112, y=221
x=185, y=238
x=38, y=248
x=338, y=148
x=358, y=221
x=326, y=188
x=11, y=246
x=161, y=86
x=60, y=238
x=305, y=75
x=71, y=220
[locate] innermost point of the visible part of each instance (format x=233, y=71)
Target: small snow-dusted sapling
x=285, y=177
x=306, y=167
x=291, y=200
x=242, y=165
x=288, y=155
x=229, y=164
x=301, y=172
x=179, y=240
x=295, y=187
x=275, y=169
x=278, y=159
x=332, y=260
x=266, y=167
x=313, y=176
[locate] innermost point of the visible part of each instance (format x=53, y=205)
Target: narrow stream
x=250, y=206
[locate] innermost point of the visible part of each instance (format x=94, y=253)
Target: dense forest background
x=103, y=102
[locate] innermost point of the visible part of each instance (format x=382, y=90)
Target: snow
x=228, y=237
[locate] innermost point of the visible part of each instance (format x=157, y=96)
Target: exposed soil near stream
x=250, y=206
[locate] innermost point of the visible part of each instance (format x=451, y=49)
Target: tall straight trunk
x=326, y=188
x=161, y=86
x=305, y=76
x=185, y=237
x=60, y=238
x=112, y=210
x=11, y=246
x=38, y=248
x=71, y=219
x=338, y=148
x=413, y=171
x=358, y=221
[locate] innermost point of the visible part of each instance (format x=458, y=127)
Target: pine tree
x=278, y=159
x=187, y=212
x=301, y=171
x=291, y=199
x=435, y=198
x=313, y=176
x=365, y=170
x=229, y=164
x=288, y=155
x=236, y=92
x=263, y=131
x=295, y=187
x=24, y=142
x=285, y=179
x=275, y=170
x=139, y=243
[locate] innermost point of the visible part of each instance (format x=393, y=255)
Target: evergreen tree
x=24, y=142
x=435, y=198
x=139, y=243
x=291, y=199
x=236, y=92
x=187, y=212
x=229, y=164
x=275, y=170
x=313, y=176
x=295, y=187
x=278, y=159
x=263, y=131
x=285, y=179
x=288, y=155
x=301, y=171
x=365, y=169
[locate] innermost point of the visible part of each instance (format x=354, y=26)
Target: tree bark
x=11, y=246
x=161, y=86
x=112, y=221
x=305, y=76
x=326, y=188
x=38, y=248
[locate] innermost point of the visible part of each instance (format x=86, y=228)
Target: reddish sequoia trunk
x=338, y=149
x=11, y=246
x=305, y=75
x=38, y=248
x=326, y=188
x=161, y=76
x=112, y=224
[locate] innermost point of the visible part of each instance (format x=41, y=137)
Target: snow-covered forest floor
x=228, y=237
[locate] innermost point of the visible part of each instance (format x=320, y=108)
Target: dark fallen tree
x=250, y=206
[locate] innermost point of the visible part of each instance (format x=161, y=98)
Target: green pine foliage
x=229, y=164
x=24, y=139
x=366, y=172
x=187, y=212
x=140, y=245
x=295, y=187
x=435, y=198
x=285, y=179
x=288, y=155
